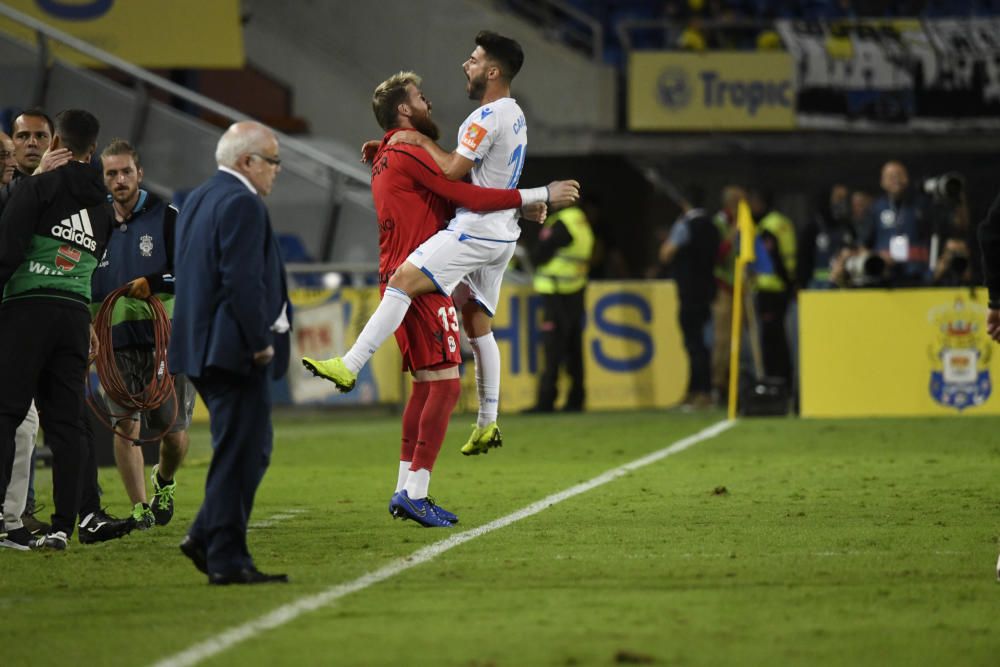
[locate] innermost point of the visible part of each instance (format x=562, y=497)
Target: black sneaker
x=100, y=526
x=34, y=526
x=18, y=539
x=163, y=498
x=142, y=517
x=56, y=541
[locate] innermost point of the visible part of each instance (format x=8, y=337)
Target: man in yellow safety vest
x=562, y=258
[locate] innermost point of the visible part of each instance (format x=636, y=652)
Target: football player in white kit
x=475, y=248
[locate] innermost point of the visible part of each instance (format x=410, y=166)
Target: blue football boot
x=442, y=512
x=421, y=511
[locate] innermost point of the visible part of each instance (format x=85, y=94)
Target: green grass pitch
x=779, y=542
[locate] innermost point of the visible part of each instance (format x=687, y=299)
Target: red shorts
x=428, y=336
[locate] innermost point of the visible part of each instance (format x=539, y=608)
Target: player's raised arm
x=453, y=165
x=474, y=198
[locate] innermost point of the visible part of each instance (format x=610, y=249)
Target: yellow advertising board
x=896, y=353
x=325, y=324
x=633, y=351
x=710, y=91
x=149, y=33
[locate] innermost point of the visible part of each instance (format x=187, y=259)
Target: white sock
x=417, y=483
x=404, y=472
x=487, y=354
x=383, y=322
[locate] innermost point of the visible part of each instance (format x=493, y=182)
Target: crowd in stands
x=729, y=24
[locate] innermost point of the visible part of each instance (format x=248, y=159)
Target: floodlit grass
x=867, y=542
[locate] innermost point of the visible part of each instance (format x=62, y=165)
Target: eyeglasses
x=273, y=161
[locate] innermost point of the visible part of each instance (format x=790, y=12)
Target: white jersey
x=495, y=136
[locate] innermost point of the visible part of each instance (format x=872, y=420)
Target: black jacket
x=53, y=230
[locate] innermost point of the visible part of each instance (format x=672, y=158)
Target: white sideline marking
x=292, y=610
x=275, y=518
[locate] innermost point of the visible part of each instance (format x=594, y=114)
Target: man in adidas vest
x=774, y=283
x=141, y=253
x=52, y=232
x=25, y=155
x=562, y=258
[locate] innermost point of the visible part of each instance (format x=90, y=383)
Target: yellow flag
x=744, y=222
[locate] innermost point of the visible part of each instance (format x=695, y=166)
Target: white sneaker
x=56, y=540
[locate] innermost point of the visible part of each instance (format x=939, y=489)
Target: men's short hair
x=504, y=51
x=121, y=147
x=241, y=138
x=78, y=130
x=35, y=112
x=389, y=95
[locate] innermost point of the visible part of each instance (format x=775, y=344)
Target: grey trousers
x=17, y=486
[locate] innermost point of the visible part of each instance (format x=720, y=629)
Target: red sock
x=411, y=419
x=441, y=401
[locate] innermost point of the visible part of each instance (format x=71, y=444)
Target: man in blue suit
x=230, y=335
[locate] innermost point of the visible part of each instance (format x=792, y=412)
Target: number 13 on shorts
x=449, y=318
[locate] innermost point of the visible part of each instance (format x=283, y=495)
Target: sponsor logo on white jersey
x=77, y=229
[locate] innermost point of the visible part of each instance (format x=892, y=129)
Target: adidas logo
x=77, y=229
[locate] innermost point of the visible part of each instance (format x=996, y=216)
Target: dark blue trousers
x=239, y=411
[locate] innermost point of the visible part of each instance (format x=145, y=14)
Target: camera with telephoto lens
x=946, y=188
x=865, y=269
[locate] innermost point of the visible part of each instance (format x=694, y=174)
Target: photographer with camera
x=899, y=231
x=824, y=237
x=952, y=240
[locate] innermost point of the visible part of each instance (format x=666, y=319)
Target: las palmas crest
x=960, y=355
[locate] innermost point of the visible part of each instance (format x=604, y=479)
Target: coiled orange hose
x=161, y=386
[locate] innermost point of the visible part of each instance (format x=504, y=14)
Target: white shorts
x=450, y=257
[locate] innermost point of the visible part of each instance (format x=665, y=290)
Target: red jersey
x=414, y=199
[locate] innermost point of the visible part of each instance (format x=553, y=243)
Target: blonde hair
x=389, y=95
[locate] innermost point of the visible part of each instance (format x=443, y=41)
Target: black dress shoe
x=246, y=576
x=194, y=550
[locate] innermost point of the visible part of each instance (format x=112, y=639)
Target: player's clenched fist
x=563, y=193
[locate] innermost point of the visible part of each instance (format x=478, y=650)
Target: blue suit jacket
x=229, y=281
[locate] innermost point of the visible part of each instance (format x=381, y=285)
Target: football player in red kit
x=413, y=199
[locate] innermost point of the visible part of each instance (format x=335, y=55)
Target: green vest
x=567, y=271
x=784, y=231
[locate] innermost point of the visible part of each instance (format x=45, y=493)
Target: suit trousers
x=693, y=319
x=239, y=411
x=772, y=307
x=562, y=338
x=43, y=344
